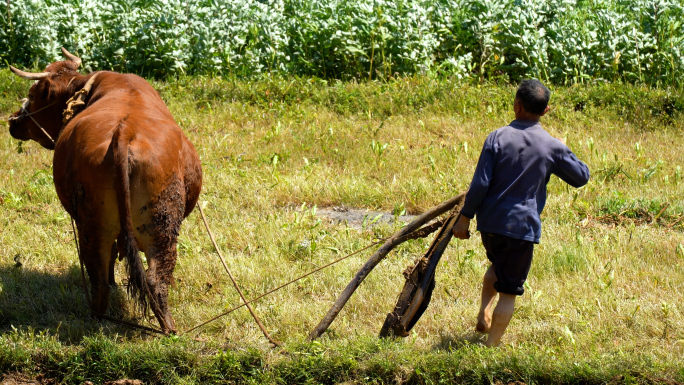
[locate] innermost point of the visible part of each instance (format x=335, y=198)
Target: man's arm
x=481, y=179
x=572, y=170
x=478, y=188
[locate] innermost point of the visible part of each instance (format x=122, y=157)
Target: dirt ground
x=354, y=218
x=22, y=379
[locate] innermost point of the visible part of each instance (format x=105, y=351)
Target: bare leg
x=500, y=319
x=484, y=318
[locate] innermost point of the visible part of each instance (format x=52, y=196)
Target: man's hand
x=460, y=229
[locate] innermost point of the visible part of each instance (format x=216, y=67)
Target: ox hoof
x=482, y=327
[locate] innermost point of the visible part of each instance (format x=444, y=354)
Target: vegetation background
x=281, y=139
x=563, y=41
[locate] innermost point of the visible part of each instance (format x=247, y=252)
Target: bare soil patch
x=18, y=379
x=359, y=218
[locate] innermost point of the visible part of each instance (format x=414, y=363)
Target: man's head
x=531, y=100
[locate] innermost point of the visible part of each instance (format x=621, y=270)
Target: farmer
x=508, y=193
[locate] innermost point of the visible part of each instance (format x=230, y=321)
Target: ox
x=122, y=169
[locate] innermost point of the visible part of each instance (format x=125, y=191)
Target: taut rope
x=237, y=287
x=29, y=114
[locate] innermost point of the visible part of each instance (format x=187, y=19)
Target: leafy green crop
x=560, y=41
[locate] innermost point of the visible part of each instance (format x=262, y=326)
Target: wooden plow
x=420, y=278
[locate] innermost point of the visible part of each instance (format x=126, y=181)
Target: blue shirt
x=508, y=191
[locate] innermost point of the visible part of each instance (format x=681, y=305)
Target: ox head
x=40, y=116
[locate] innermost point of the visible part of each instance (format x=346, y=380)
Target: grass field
x=603, y=301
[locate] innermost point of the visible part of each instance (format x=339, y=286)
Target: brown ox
x=122, y=169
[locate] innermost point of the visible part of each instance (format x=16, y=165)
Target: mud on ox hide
x=122, y=169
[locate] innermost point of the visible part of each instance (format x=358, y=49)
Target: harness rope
x=30, y=115
x=77, y=101
x=245, y=301
x=419, y=233
x=281, y=286
x=237, y=287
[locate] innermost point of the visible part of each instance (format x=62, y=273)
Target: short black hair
x=533, y=95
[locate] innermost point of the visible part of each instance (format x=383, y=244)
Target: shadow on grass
x=458, y=341
x=55, y=302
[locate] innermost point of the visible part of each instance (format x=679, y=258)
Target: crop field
x=561, y=41
x=603, y=303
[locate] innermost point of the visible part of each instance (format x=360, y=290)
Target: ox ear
x=73, y=58
x=29, y=75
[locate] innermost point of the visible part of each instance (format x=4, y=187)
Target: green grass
x=603, y=301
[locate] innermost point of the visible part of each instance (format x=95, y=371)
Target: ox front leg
x=159, y=276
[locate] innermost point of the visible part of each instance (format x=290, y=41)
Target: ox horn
x=73, y=58
x=29, y=75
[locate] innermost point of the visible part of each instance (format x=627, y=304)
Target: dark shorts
x=511, y=259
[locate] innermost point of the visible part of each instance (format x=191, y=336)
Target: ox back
x=124, y=171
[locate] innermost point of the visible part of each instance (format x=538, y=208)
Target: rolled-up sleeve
x=481, y=179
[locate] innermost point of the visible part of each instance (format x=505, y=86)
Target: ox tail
x=127, y=244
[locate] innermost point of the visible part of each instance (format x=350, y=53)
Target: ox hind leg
x=161, y=261
x=112, y=263
x=98, y=259
x=161, y=252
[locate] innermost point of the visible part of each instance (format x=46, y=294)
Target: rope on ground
x=420, y=233
x=237, y=287
x=282, y=286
